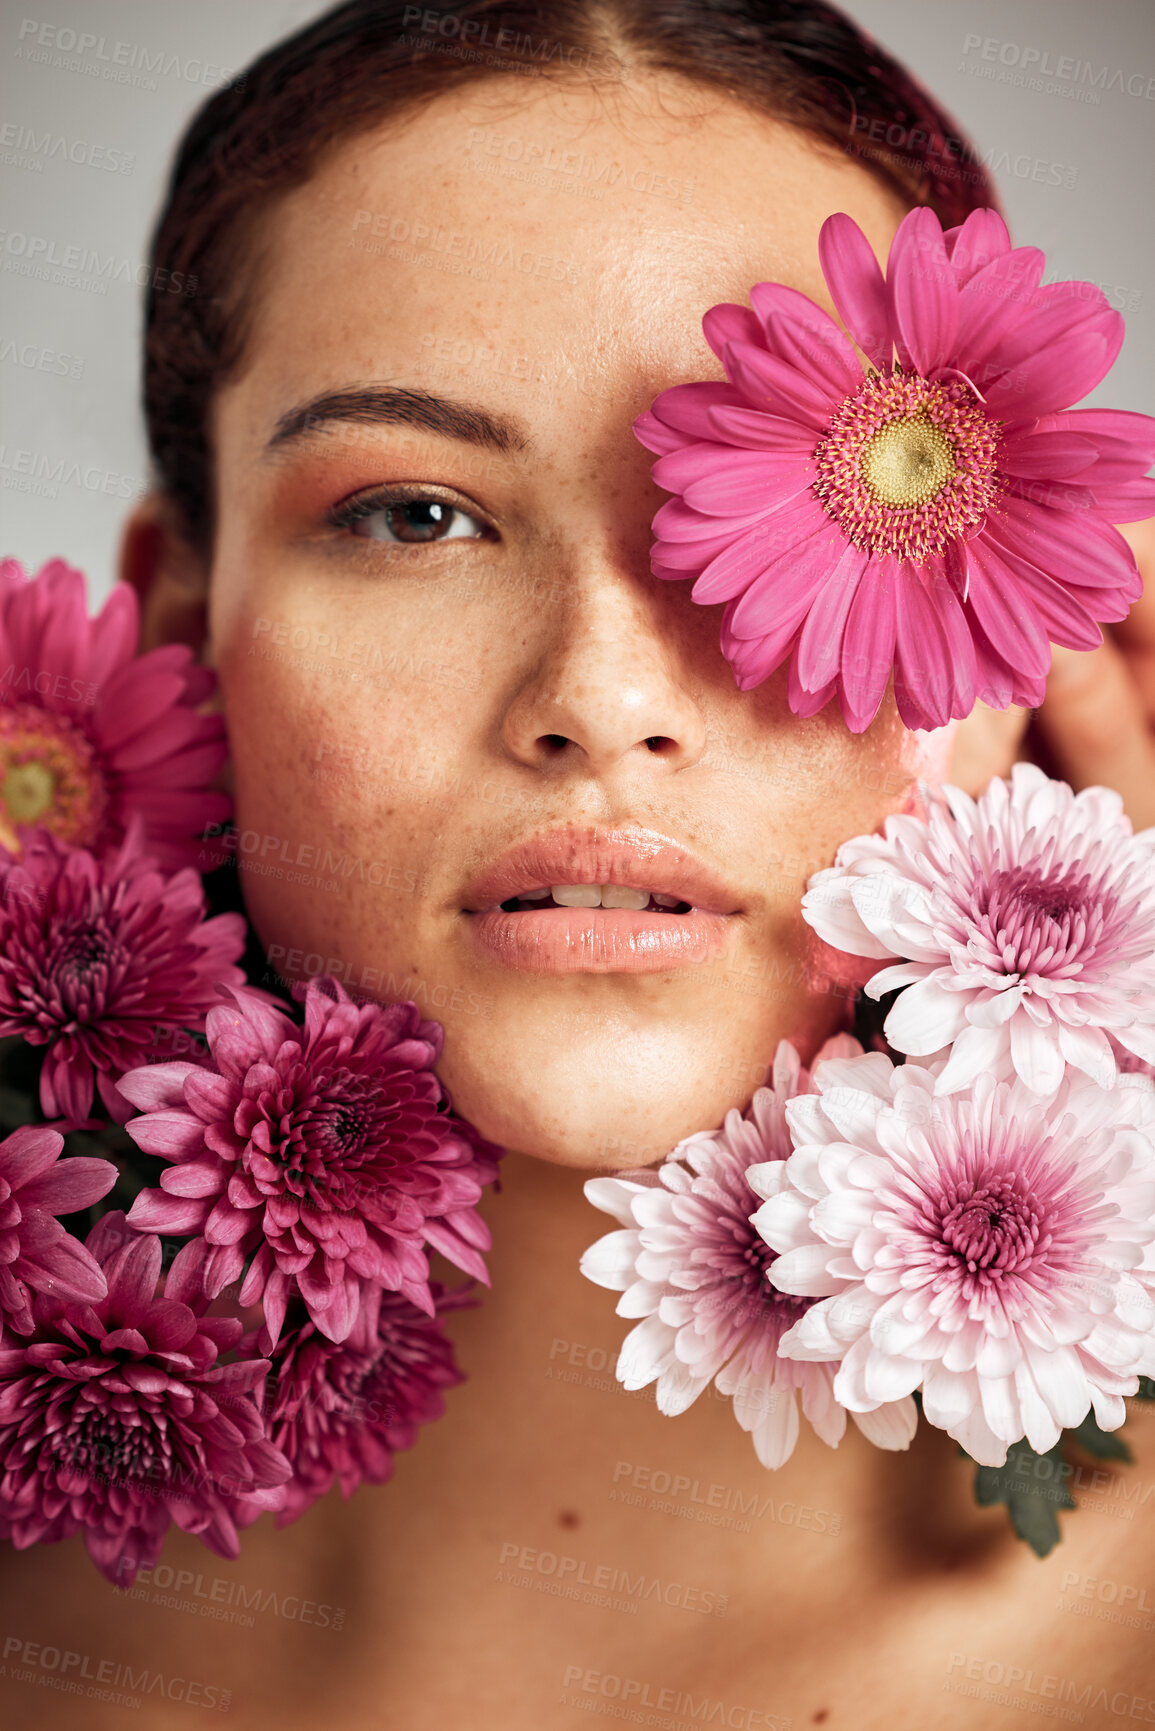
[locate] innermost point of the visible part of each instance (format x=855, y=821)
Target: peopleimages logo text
x=39, y=250
x=1068, y=69
x=39, y=41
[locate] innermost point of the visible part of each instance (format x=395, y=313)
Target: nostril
x=555, y=741
x=658, y=743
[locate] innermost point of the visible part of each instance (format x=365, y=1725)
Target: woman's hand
x=1097, y=722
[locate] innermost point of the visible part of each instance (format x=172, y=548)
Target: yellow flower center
x=907, y=462
x=49, y=776
x=907, y=465
x=28, y=791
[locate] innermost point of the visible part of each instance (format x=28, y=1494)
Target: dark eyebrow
x=386, y=405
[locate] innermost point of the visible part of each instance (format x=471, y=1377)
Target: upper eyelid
x=408, y=490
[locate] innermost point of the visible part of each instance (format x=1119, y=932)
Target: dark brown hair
x=367, y=60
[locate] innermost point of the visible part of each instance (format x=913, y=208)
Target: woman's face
x=439, y=639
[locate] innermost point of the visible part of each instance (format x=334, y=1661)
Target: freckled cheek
x=340, y=746
x=344, y=799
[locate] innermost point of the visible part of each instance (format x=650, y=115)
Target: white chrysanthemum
x=1025, y=922
x=688, y=1261
x=995, y=1251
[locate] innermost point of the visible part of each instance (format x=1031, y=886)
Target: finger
x=1140, y=623
x=1095, y=722
x=1136, y=633
x=985, y=745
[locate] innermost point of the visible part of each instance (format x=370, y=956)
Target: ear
x=171, y=579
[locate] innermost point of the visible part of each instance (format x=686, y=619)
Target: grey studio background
x=1058, y=96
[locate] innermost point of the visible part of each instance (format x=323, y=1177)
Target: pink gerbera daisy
x=118, y=1419
x=941, y=516
x=90, y=732
x=328, y=1155
x=689, y=1262
x=995, y=1252
x=1025, y=924
x=98, y=956
x=36, y=1254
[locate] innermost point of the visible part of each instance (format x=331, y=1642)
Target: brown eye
x=415, y=521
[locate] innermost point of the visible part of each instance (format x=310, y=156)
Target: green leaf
x=1104, y=1444
x=1032, y=1496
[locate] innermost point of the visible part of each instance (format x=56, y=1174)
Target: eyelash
x=352, y=511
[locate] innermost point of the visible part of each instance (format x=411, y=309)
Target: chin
x=598, y=1093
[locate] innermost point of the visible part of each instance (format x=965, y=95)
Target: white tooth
x=666, y=901
x=534, y=895
x=577, y=895
x=623, y=896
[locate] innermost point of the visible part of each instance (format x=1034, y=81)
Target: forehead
x=540, y=243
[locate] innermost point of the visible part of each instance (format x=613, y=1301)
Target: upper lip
x=573, y=854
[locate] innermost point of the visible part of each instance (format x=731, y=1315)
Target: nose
x=610, y=685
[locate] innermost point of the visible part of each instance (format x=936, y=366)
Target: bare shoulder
x=1069, y=1636
x=78, y=1652
x=935, y=1617
x=191, y=1639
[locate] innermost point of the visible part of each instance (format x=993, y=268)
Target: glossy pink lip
x=599, y=940
x=637, y=857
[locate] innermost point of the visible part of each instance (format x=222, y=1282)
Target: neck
x=544, y=1448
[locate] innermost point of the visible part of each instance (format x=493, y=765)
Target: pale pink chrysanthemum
x=942, y=516
x=1129, y=1064
x=1025, y=921
x=340, y=1411
x=118, y=1418
x=688, y=1261
x=91, y=732
x=100, y=955
x=36, y=1253
x=994, y=1251
x=328, y=1154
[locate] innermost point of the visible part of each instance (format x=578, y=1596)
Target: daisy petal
x=856, y=286
x=976, y=242
x=868, y=648
x=923, y=293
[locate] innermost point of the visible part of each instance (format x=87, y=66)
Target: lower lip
x=598, y=940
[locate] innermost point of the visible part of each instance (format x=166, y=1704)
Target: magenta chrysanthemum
x=1025, y=921
x=689, y=1262
x=943, y=516
x=328, y=1154
x=36, y=1254
x=98, y=956
x=997, y=1253
x=91, y=733
x=118, y=1419
x=340, y=1411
